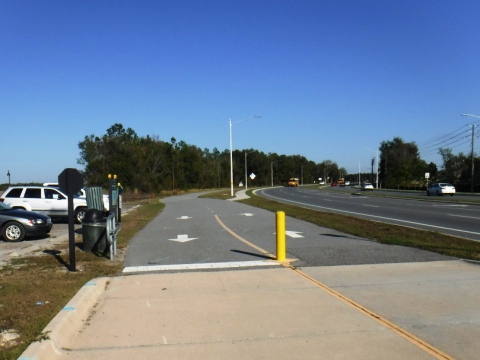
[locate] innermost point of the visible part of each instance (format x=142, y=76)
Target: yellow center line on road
x=428, y=348
x=259, y=249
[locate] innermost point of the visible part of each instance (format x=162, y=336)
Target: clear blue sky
x=331, y=79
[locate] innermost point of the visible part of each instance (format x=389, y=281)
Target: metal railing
x=113, y=227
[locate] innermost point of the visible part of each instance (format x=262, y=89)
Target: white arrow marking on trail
x=183, y=238
x=246, y=214
x=294, y=234
x=184, y=218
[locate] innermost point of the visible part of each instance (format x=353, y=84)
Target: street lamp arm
x=477, y=116
x=250, y=117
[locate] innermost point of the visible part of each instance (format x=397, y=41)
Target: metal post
x=231, y=150
x=473, y=160
x=231, y=161
x=281, y=243
x=271, y=171
x=473, y=144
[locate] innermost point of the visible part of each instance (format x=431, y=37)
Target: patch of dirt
x=8, y=338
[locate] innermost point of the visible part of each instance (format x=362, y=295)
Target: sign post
x=113, y=194
x=71, y=181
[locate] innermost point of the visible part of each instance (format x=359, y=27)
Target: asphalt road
x=457, y=219
x=200, y=231
x=189, y=231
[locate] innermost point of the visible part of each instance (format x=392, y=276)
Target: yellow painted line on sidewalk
x=428, y=348
x=259, y=249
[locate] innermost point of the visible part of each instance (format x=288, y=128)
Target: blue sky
x=331, y=79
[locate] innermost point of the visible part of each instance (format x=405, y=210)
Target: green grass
x=376, y=231
x=47, y=279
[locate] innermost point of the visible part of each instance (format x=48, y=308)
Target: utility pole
x=473, y=159
x=473, y=147
x=371, y=176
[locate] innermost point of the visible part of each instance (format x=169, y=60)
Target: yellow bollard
x=281, y=227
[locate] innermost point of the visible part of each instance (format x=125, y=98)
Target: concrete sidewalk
x=243, y=314
x=422, y=310
x=240, y=195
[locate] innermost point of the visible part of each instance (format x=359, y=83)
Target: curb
x=66, y=322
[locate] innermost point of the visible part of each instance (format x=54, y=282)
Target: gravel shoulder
x=33, y=247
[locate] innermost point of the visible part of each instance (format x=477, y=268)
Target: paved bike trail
x=418, y=309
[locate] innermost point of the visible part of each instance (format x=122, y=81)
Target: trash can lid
x=93, y=215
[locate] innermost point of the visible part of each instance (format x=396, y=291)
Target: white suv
x=83, y=194
x=44, y=200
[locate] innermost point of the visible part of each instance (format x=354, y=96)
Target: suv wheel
x=13, y=232
x=80, y=214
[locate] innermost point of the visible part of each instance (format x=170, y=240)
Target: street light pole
x=231, y=161
x=473, y=145
x=271, y=171
x=231, y=150
x=271, y=168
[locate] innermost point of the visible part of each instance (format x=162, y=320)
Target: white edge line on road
x=372, y=216
x=463, y=216
x=225, y=265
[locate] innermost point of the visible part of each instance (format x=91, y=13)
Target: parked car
x=322, y=182
x=16, y=224
x=83, y=194
x=441, y=189
x=45, y=200
x=333, y=184
x=347, y=183
x=366, y=186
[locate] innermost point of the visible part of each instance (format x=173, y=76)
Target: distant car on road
x=293, y=182
x=440, y=189
x=366, y=186
x=347, y=183
x=17, y=224
x=333, y=184
x=322, y=182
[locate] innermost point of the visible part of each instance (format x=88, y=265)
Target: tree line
x=149, y=164
x=401, y=167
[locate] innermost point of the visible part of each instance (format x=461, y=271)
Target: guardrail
x=113, y=227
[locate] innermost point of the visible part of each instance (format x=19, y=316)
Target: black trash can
x=94, y=229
